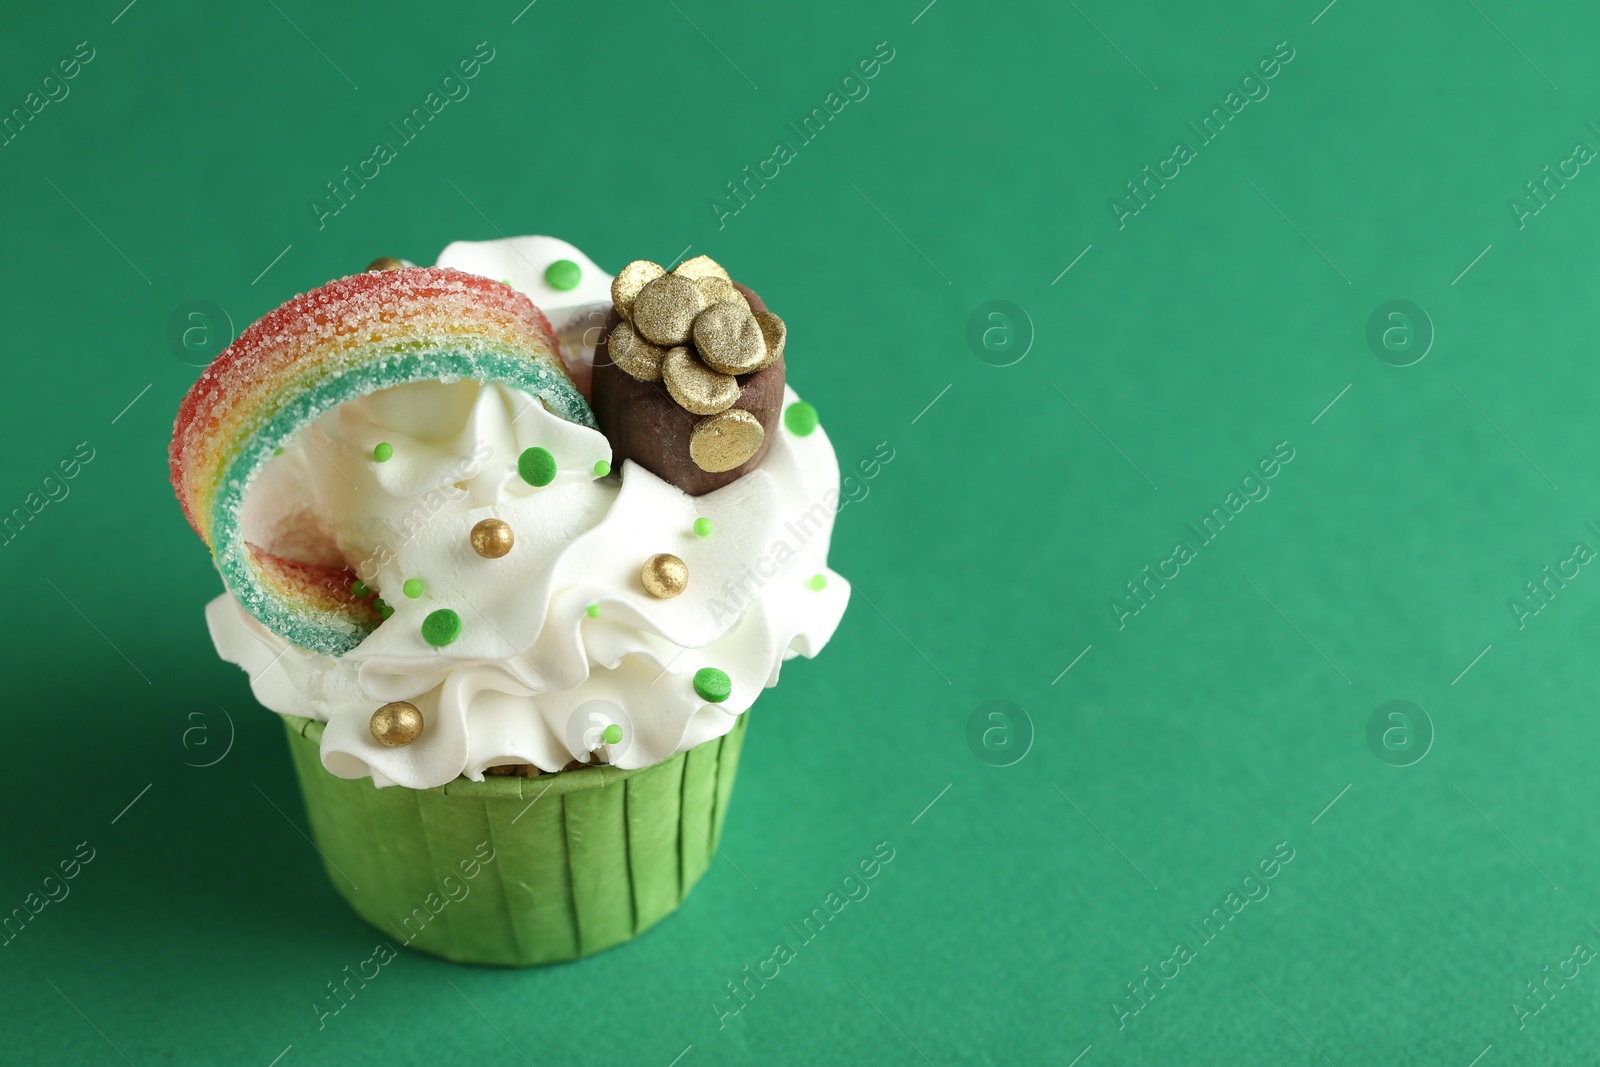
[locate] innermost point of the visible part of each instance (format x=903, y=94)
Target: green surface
x=995, y=511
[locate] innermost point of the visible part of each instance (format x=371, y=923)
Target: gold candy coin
x=697, y=388
x=492, y=538
x=396, y=725
x=774, y=332
x=385, y=263
x=722, y=442
x=716, y=290
x=664, y=575
x=629, y=280
x=637, y=357
x=729, y=339
x=664, y=310
x=701, y=267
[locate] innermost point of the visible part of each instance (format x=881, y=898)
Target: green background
x=1178, y=750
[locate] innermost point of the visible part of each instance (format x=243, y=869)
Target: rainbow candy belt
x=345, y=340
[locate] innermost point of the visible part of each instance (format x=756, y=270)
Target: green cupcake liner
x=519, y=871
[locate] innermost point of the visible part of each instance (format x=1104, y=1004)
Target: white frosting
x=521, y=263
x=532, y=677
x=577, y=315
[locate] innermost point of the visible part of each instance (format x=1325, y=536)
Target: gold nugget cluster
x=694, y=332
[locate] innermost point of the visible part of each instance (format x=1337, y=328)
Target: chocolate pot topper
x=688, y=374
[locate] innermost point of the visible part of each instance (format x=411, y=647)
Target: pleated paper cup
x=519, y=871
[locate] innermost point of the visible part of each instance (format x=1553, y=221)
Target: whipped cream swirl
x=559, y=640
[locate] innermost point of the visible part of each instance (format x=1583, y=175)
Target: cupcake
x=512, y=546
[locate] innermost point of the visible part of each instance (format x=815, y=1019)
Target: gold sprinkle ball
x=630, y=280
x=385, y=263
x=665, y=309
x=774, y=333
x=396, y=725
x=664, y=575
x=701, y=267
x=492, y=538
x=638, y=358
x=724, y=441
x=729, y=339
x=697, y=388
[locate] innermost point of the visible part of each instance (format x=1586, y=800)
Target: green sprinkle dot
x=613, y=734
x=412, y=588
x=537, y=466
x=601, y=468
x=277, y=451
x=712, y=685
x=506, y=282
x=817, y=581
x=593, y=611
x=383, y=452
x=800, y=417
x=702, y=527
x=563, y=274
x=441, y=627
x=359, y=589
x=384, y=610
